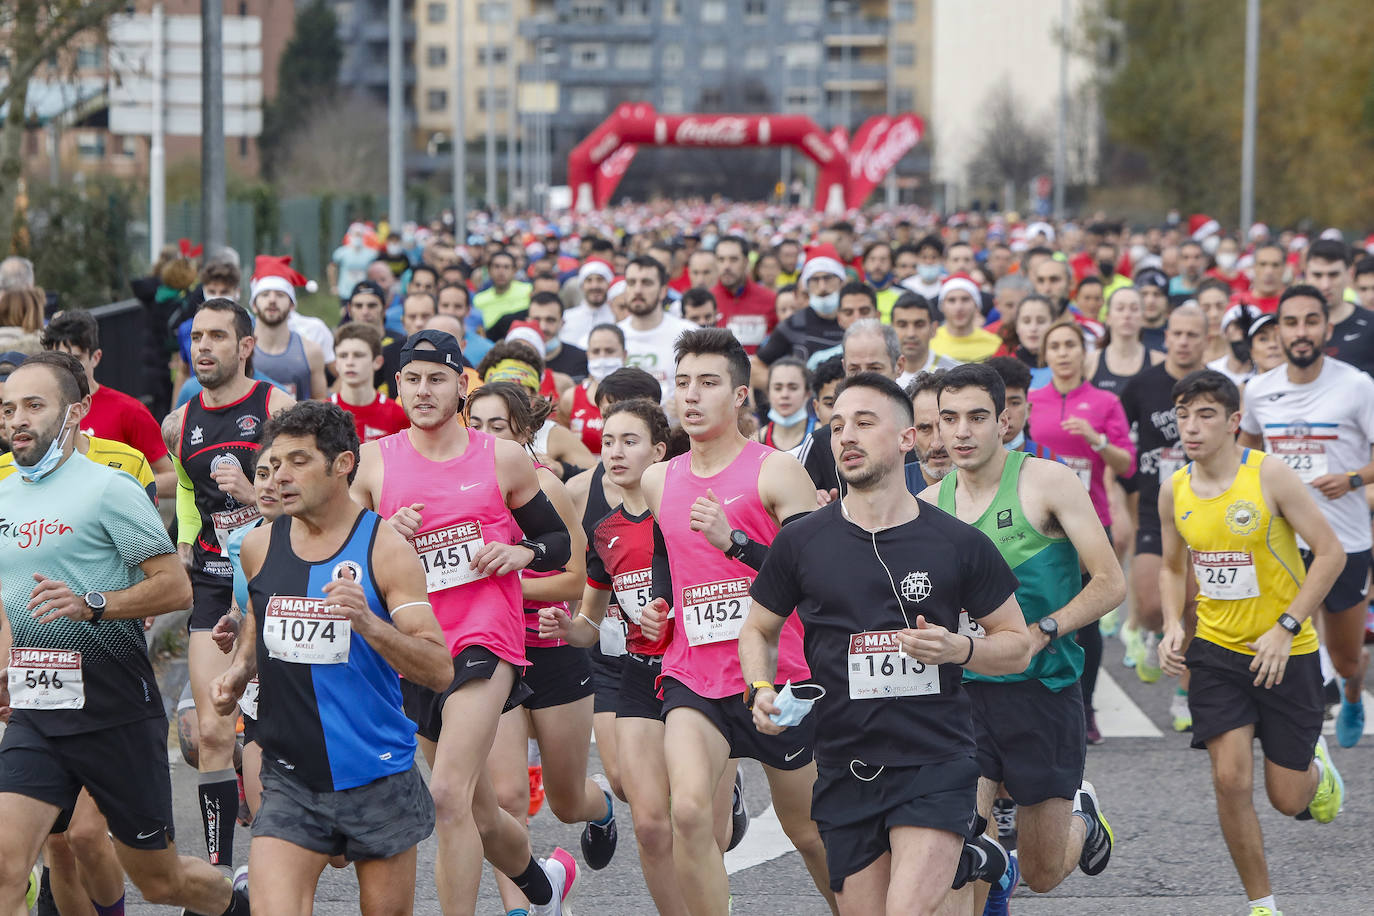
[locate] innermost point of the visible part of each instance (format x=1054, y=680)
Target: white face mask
x=603, y=366
x=52, y=457
x=788, y=420
x=826, y=306
x=1226, y=259
x=1138, y=252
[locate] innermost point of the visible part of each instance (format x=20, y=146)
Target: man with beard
x=1352, y=327
x=594, y=278
x=213, y=439
x=932, y=460
x=297, y=364
x=650, y=332
x=746, y=306
x=877, y=263
x=1317, y=414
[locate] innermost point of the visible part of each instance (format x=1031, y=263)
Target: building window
x=436, y=12
x=498, y=55
x=436, y=56
x=755, y=11
x=493, y=11
x=802, y=54
x=436, y=100
x=90, y=57
x=904, y=10
x=128, y=147
x=712, y=10
x=588, y=11
x=905, y=100
x=633, y=10
x=904, y=54
x=713, y=58
x=712, y=99
x=587, y=100
x=90, y=145
x=634, y=57
x=672, y=57
x=800, y=99
x=672, y=11
x=756, y=58
x=803, y=10
x=588, y=55
x=672, y=98
x=496, y=99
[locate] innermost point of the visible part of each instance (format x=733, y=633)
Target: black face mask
x=1241, y=350
x=1106, y=268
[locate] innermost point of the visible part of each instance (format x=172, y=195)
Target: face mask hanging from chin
x=787, y=420
x=52, y=457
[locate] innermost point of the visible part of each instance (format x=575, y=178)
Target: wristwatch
x=1049, y=626
x=1289, y=623
x=754, y=688
x=738, y=541
x=1101, y=443
x=1356, y=481
x=96, y=602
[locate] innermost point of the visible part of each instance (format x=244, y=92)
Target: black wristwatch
x=1049, y=626
x=96, y=602
x=1290, y=623
x=738, y=541
x=1356, y=481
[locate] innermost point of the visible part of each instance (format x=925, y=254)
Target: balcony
x=856, y=32
x=377, y=30
x=584, y=30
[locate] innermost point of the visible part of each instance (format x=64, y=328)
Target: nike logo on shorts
x=473, y=663
x=792, y=756
x=147, y=836
x=583, y=682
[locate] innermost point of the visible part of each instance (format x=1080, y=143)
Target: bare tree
x=1011, y=149
x=341, y=146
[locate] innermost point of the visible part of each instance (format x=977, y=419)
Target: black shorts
x=1223, y=697
x=790, y=750
x=1029, y=738
x=1148, y=535
x=212, y=594
x=856, y=806
x=374, y=821
x=557, y=676
x=606, y=672
x=638, y=697
x=1351, y=586
x=124, y=768
x=425, y=707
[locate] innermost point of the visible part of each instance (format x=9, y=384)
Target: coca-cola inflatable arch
x=846, y=175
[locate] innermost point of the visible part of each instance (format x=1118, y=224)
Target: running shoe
x=739, y=814
x=1004, y=813
x=1097, y=845
x=45, y=905
x=1264, y=911
x=1147, y=660
x=561, y=868
x=983, y=859
x=31, y=895
x=1110, y=622
x=241, y=880
x=1350, y=720
x=536, y=789
x=1135, y=647
x=1181, y=712
x=1091, y=731
x=1326, y=804
x=599, y=837
x=999, y=898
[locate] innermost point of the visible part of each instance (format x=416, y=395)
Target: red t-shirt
x=750, y=316
x=373, y=421
x=620, y=560
x=1240, y=283
x=115, y=415
x=1267, y=304
x=586, y=420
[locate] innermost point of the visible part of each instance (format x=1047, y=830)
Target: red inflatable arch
x=596, y=165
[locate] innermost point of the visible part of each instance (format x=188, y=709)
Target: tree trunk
x=24, y=40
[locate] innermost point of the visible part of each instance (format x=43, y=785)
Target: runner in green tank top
x=1030, y=727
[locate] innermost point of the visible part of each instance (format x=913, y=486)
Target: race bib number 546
x=300, y=630
x=46, y=679
x=715, y=611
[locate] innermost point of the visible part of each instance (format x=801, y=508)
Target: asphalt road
x=1155, y=790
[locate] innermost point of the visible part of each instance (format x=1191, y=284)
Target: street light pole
x=459, y=139
x=1061, y=157
x=213, y=230
x=395, y=117
x=491, y=108
x=1247, y=143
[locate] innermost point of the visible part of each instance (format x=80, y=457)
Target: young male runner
x=463, y=498
x=358, y=355
x=1254, y=666
x=879, y=580
x=86, y=560
x=1029, y=724
x=337, y=610
x=213, y=439
x=1317, y=415
x=718, y=508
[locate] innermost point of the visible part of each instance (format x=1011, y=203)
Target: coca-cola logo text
x=875, y=161
x=717, y=132
x=608, y=145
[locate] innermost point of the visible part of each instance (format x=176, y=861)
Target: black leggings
x=1090, y=638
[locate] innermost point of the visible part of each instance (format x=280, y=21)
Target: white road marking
x=1117, y=714
x=764, y=842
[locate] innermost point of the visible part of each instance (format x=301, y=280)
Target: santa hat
x=527, y=332
x=1369, y=244
x=1332, y=234
x=960, y=281
x=597, y=267
x=1258, y=231
x=1040, y=228
x=822, y=259
x=617, y=288
x=1200, y=226
x=276, y=272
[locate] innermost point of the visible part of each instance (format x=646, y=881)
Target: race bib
x=970, y=627
x=1081, y=466
x=749, y=329
x=248, y=703
x=301, y=631
x=614, y=632
x=632, y=592
x=447, y=555
x=230, y=520
x=715, y=611
x=878, y=669
x=1306, y=456
x=1171, y=458
x=1226, y=575
x=46, y=679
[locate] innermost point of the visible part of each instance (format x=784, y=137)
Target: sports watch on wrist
x=754, y=688
x=738, y=541
x=96, y=602
x=1356, y=481
x=1049, y=626
x=1289, y=623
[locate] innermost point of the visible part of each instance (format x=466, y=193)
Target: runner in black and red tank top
x=213, y=440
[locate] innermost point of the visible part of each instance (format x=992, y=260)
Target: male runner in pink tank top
x=462, y=498
x=717, y=509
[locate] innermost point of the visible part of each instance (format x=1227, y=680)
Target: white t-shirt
x=1240, y=378
x=312, y=328
x=1323, y=427
x=579, y=321
x=652, y=350
x=933, y=361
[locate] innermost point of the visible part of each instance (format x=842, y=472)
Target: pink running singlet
x=712, y=590
x=463, y=511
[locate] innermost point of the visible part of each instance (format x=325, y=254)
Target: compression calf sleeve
x=219, y=808
x=534, y=884
x=545, y=533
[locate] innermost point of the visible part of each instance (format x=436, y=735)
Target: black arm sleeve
x=545, y=533
x=663, y=576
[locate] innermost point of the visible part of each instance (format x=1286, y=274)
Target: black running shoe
x=1004, y=813
x=1097, y=845
x=739, y=814
x=599, y=840
x=45, y=906
x=983, y=859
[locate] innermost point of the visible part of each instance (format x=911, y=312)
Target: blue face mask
x=792, y=708
x=826, y=306
x=787, y=420
x=881, y=281
x=551, y=346
x=1015, y=444
x=52, y=457
x=928, y=273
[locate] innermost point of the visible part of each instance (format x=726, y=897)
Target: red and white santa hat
x=276, y=272
x=597, y=267
x=822, y=259
x=527, y=332
x=1200, y=226
x=960, y=281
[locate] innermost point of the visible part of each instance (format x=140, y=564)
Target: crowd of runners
x=857, y=500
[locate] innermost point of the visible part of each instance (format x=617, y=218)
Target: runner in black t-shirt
x=878, y=580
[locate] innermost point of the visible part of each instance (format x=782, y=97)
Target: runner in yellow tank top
x=1234, y=514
